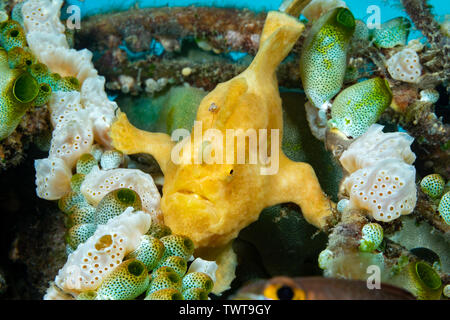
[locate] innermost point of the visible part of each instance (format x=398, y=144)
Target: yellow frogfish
x=211, y=201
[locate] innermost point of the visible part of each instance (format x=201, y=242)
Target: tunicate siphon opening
x=208, y=285
x=189, y=244
x=136, y=268
x=173, y=277
x=126, y=196
x=104, y=242
x=45, y=87
x=177, y=296
x=14, y=33
x=25, y=88
x=346, y=18
x=428, y=275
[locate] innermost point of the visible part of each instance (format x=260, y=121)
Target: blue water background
x=389, y=9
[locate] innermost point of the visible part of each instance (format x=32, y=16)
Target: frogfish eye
x=283, y=292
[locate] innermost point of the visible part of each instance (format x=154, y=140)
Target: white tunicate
x=79, y=118
x=375, y=145
x=429, y=95
x=95, y=259
x=52, y=178
x=316, y=8
x=98, y=183
x=386, y=189
x=205, y=266
x=405, y=66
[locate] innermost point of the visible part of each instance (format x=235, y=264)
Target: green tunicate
x=361, y=31
x=324, y=56
x=115, y=202
x=128, y=281
x=149, y=252
x=66, y=203
x=359, y=106
x=86, y=163
x=195, y=294
x=444, y=208
x=39, y=71
x=81, y=214
x=44, y=95
x=20, y=58
x=25, y=89
x=87, y=295
x=428, y=256
x=165, y=294
x=53, y=80
x=425, y=282
x=159, y=230
x=197, y=280
x=161, y=270
x=76, y=181
x=80, y=234
x=18, y=89
x=178, y=245
x=392, y=33
x=372, y=236
x=43, y=75
x=12, y=35
x=165, y=281
x=175, y=263
x=433, y=185
x=68, y=84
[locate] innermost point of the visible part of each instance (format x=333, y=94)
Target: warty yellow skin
x=211, y=203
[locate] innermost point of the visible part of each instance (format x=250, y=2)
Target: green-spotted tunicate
x=178, y=245
x=359, y=106
x=444, y=208
x=80, y=234
x=115, y=202
x=195, y=294
x=150, y=251
x=18, y=90
x=165, y=281
x=165, y=294
x=129, y=280
x=197, y=280
x=392, y=33
x=433, y=185
x=324, y=57
x=372, y=236
x=176, y=263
